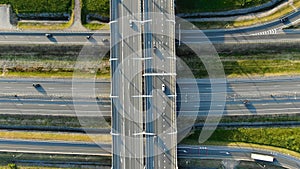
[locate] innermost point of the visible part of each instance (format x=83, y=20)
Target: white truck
x=262, y=157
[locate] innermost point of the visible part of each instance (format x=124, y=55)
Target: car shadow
x=250, y=107
x=40, y=89
x=274, y=98
x=52, y=39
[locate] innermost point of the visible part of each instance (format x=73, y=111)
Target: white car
x=131, y=23
x=163, y=87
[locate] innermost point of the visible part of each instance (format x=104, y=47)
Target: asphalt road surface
x=5, y=18
x=265, y=96
x=257, y=33
x=185, y=152
x=268, y=32
x=55, y=147
x=161, y=117
x=221, y=152
x=128, y=145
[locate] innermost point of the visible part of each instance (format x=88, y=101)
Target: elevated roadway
x=160, y=84
x=127, y=110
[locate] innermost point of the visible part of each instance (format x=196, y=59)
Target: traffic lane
x=243, y=90
x=57, y=38
x=63, y=109
x=202, y=109
x=266, y=36
x=54, y=147
x=236, y=153
x=49, y=88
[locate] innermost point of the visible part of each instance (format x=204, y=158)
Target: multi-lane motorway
x=127, y=108
x=161, y=84
x=265, y=96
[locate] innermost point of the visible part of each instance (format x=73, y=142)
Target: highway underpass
x=184, y=151
x=266, y=96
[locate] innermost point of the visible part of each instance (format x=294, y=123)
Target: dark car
x=48, y=35
x=154, y=48
x=36, y=85
x=246, y=101
x=282, y=20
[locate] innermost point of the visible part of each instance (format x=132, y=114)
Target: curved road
x=188, y=152
x=221, y=152
x=258, y=33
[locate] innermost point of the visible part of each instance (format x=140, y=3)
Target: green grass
x=97, y=26
x=255, y=118
x=21, y=158
x=40, y=6
x=55, y=75
x=55, y=121
x=103, y=138
x=101, y=7
x=44, y=26
x=52, y=67
x=190, y=6
x=286, y=140
x=251, y=65
x=234, y=24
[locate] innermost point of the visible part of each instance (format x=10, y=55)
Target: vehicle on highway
x=88, y=37
x=36, y=85
x=131, y=23
x=154, y=48
x=163, y=87
x=262, y=157
x=246, y=101
x=283, y=20
x=48, y=35
x=181, y=151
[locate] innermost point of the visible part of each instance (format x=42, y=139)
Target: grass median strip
x=190, y=6
x=97, y=26
x=40, y=6
x=49, y=136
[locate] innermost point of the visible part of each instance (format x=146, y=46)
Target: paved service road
x=5, y=18
x=184, y=152
x=258, y=33
x=38, y=37
x=54, y=147
x=221, y=152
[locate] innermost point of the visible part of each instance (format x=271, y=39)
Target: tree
x=12, y=166
x=242, y=3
